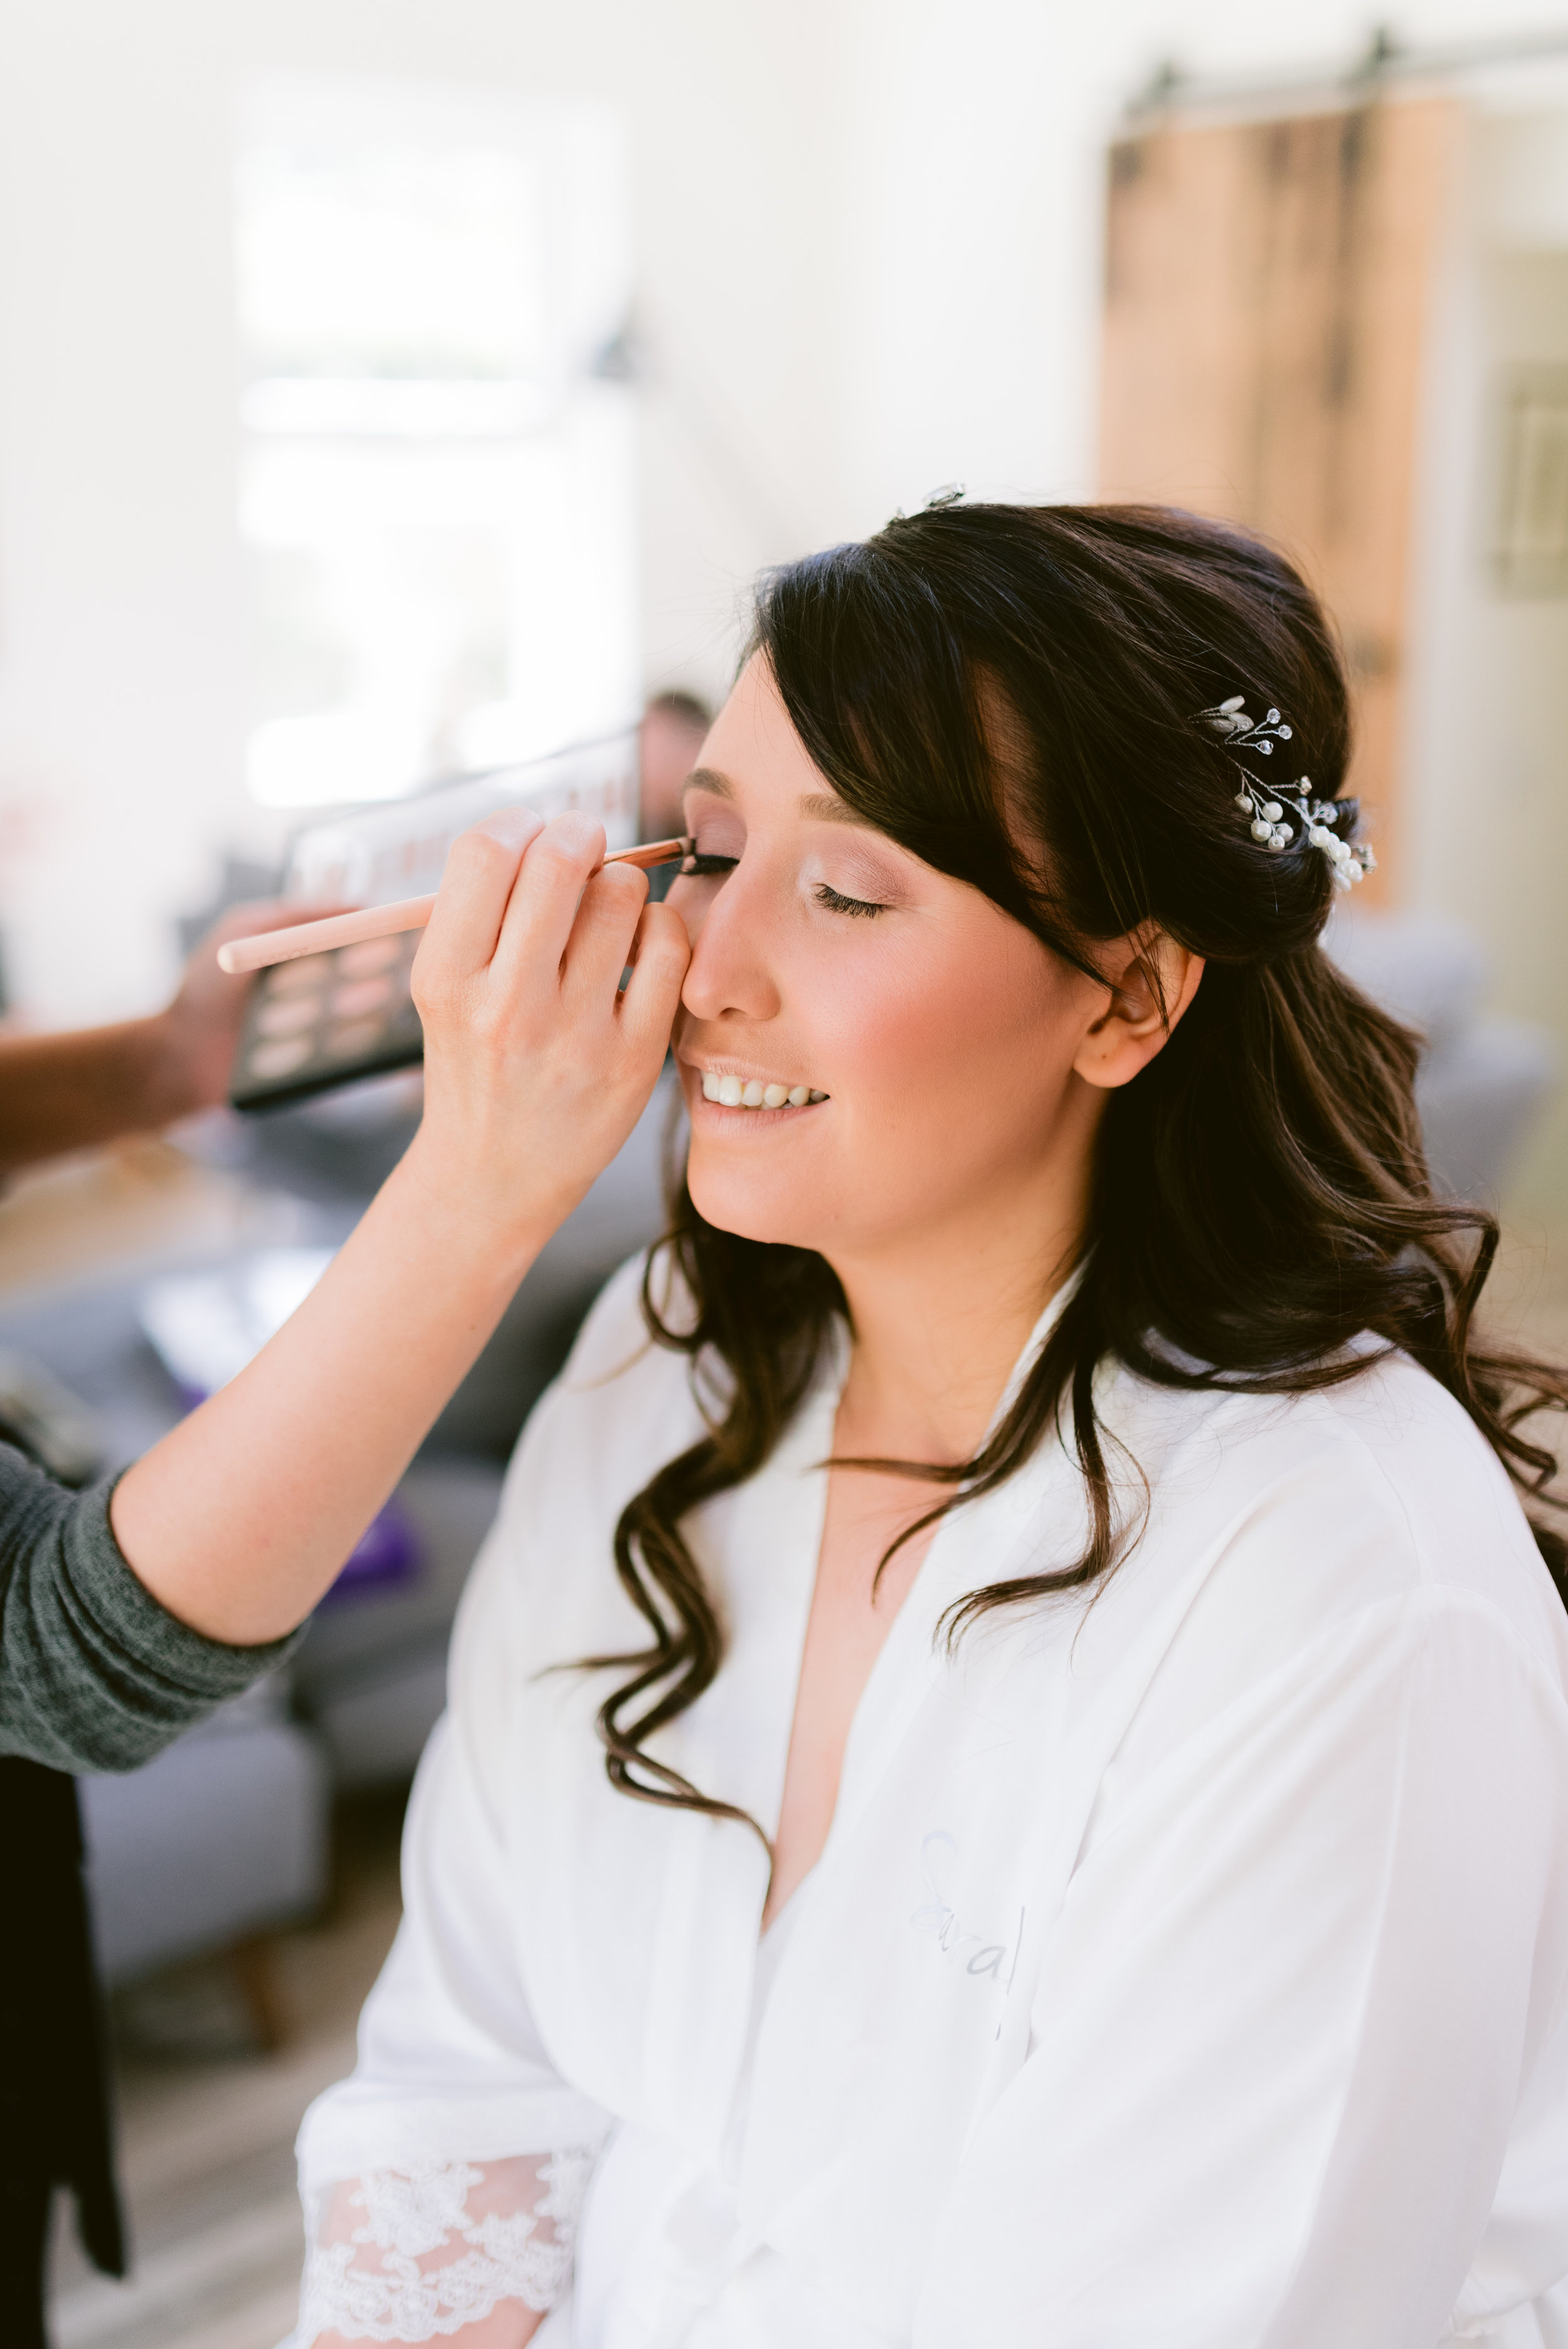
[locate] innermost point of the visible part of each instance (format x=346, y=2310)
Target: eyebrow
x=825, y=807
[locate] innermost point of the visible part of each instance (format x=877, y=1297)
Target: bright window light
x=438, y=493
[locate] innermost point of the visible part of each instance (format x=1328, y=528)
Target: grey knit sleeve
x=95, y=1674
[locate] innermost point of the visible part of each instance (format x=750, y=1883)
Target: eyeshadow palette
x=331, y=1019
x=325, y=1020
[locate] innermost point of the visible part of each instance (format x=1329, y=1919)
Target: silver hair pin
x=1268, y=815
x=951, y=494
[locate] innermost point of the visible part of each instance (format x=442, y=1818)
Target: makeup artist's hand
x=537, y=1063
x=86, y=1086
x=199, y=1030
x=536, y=1066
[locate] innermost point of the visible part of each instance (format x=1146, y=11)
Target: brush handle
x=268, y=947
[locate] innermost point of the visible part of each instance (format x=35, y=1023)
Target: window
x=438, y=471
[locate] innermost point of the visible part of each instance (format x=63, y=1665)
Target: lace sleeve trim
x=415, y=2255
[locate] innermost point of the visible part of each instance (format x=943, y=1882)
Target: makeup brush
x=270, y=946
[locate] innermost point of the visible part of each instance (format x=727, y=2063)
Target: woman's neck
x=938, y=1327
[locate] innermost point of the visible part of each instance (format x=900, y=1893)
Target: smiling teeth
x=730, y=1092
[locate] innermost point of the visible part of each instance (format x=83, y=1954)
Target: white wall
x=974, y=249
x=121, y=690
x=1487, y=754
x=869, y=263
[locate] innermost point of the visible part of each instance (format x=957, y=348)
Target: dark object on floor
x=55, y=2116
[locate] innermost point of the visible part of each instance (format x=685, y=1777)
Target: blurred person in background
x=128, y=1612
x=1005, y=1778
x=674, y=726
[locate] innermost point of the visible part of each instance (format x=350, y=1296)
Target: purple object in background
x=387, y=1554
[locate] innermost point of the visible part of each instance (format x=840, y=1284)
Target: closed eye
x=699, y=865
x=837, y=903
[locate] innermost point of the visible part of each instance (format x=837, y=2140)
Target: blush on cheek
x=989, y=1021
x=948, y=1061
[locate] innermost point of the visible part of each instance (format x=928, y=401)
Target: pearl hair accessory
x=1316, y=818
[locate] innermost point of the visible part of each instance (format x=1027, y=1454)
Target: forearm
x=238, y=1520
x=60, y=1093
x=536, y=1063
x=510, y=2326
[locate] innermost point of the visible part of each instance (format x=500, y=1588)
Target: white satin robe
x=1187, y=1971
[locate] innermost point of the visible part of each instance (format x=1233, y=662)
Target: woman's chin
x=745, y=1202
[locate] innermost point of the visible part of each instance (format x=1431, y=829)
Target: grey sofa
x=220, y=1840
x=1482, y=1080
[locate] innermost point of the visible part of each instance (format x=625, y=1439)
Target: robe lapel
x=638, y=1926
x=977, y=1544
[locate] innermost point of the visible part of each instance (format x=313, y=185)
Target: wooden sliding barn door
x=1268, y=287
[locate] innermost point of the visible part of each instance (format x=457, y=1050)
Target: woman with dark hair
x=1006, y=1778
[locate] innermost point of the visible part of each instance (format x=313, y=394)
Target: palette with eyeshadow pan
x=326, y=1020
x=329, y=1019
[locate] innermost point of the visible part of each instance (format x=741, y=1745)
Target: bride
x=1006, y=1771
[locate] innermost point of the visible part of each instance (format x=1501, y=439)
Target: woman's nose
x=730, y=969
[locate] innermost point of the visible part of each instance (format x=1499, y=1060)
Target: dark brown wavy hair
x=1010, y=692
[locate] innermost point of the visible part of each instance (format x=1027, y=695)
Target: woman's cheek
x=864, y=1035
x=918, y=1029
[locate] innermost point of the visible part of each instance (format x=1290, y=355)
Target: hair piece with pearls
x=1269, y=818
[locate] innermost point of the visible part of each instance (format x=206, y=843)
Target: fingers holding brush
x=659, y=953
x=560, y=871
x=535, y=1070
x=601, y=941
x=471, y=904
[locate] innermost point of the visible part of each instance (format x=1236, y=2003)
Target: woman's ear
x=1152, y=980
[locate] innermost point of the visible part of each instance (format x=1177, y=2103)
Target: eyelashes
x=837, y=903
x=698, y=866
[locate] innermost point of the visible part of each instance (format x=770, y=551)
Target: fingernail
x=514, y=827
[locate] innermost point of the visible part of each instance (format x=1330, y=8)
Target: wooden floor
x=207, y=2125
